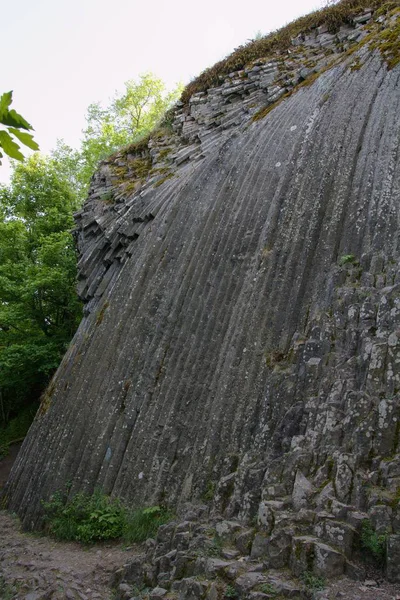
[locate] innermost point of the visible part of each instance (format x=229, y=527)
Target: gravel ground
x=38, y=568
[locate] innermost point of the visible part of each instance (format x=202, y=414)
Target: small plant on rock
x=313, y=582
x=374, y=545
x=7, y=592
x=144, y=523
x=268, y=589
x=215, y=548
x=230, y=592
x=347, y=259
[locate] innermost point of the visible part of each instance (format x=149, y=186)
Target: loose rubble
x=247, y=269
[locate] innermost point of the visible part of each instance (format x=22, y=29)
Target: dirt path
x=38, y=568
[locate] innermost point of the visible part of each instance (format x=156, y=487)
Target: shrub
x=373, y=544
x=84, y=518
x=230, y=592
x=313, y=582
x=269, y=589
x=214, y=548
x=143, y=524
x=89, y=518
x=346, y=259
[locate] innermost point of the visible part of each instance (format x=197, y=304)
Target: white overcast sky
x=58, y=56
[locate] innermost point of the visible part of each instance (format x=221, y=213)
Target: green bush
x=346, y=259
x=373, y=544
x=269, y=589
x=144, y=523
x=313, y=582
x=230, y=592
x=89, y=518
x=215, y=547
x=84, y=518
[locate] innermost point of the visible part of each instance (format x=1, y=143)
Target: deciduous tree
x=39, y=308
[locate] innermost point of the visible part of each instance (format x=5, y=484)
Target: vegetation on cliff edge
x=332, y=16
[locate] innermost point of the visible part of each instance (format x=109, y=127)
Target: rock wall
x=241, y=338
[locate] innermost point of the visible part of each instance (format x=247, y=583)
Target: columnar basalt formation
x=241, y=338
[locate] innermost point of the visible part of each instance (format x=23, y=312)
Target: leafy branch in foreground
x=13, y=123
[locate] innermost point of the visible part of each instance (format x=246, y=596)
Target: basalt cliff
x=240, y=349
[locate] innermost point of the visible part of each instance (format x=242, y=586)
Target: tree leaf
x=25, y=138
x=9, y=146
x=13, y=119
x=5, y=101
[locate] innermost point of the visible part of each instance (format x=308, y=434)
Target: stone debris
x=240, y=346
x=39, y=568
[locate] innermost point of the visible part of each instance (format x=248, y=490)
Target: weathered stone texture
x=241, y=339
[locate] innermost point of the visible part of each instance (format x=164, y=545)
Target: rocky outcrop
x=241, y=338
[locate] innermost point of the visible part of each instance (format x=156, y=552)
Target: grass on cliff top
x=331, y=16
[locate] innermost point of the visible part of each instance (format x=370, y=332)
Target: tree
x=142, y=105
x=128, y=118
x=39, y=308
x=13, y=123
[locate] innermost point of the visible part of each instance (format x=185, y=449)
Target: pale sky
x=58, y=56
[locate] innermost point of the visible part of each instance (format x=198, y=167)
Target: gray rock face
x=241, y=339
x=393, y=558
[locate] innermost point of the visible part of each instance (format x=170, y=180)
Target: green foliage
x=127, y=120
x=215, y=548
x=208, y=495
x=268, y=588
x=347, y=259
x=89, y=518
x=388, y=43
x=144, y=523
x=230, y=592
x=7, y=592
x=142, y=105
x=13, y=123
x=313, y=582
x=373, y=544
x=84, y=518
x=39, y=308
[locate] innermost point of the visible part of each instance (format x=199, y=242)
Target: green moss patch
x=388, y=42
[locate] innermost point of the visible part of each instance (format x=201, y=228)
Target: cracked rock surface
x=241, y=338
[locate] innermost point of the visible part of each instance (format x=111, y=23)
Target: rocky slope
x=241, y=339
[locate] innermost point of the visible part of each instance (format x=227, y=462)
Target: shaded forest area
x=39, y=307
